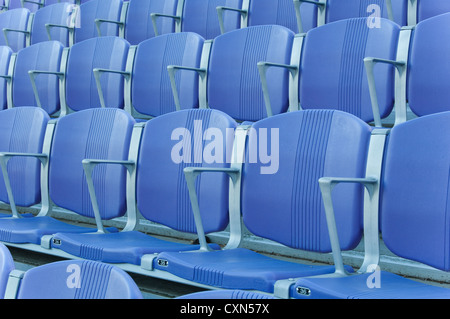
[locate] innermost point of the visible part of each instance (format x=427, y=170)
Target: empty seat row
x=404, y=12
x=177, y=169
x=32, y=5
x=138, y=20
x=64, y=22
x=62, y=80
x=248, y=73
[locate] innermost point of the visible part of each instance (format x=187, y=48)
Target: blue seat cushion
x=391, y=286
x=226, y=294
x=30, y=230
x=235, y=268
x=120, y=247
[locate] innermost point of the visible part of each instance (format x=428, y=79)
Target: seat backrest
x=23, y=130
x=415, y=190
x=77, y=279
x=171, y=142
x=428, y=73
x=308, y=14
x=6, y=266
x=50, y=2
x=400, y=11
x=202, y=18
x=101, y=52
x=340, y=10
x=234, y=84
x=304, y=146
x=333, y=75
x=16, y=19
x=139, y=26
x=55, y=14
x=5, y=57
x=151, y=92
x=43, y=56
x=430, y=8
x=98, y=9
x=30, y=5
x=90, y=134
x=280, y=12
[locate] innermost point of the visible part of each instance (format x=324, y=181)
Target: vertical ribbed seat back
x=90, y=134
x=416, y=190
x=77, y=279
x=200, y=16
x=429, y=72
x=44, y=56
x=139, y=25
x=332, y=72
x=101, y=52
x=281, y=198
x=22, y=130
x=55, y=14
x=279, y=12
x=234, y=84
x=151, y=87
x=176, y=140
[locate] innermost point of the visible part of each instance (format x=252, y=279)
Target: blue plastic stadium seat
x=201, y=17
x=15, y=22
x=340, y=10
x=335, y=10
x=138, y=24
x=6, y=266
x=427, y=71
x=80, y=86
x=226, y=294
x=5, y=57
x=161, y=190
x=332, y=67
x=310, y=144
x=57, y=17
x=94, y=133
x=77, y=279
x=23, y=131
x=233, y=83
x=414, y=204
x=30, y=5
x=151, y=92
x=42, y=57
x=427, y=9
x=90, y=11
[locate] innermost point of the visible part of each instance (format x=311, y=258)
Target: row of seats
x=176, y=170
x=32, y=5
x=62, y=22
x=248, y=73
x=138, y=20
x=83, y=279
x=403, y=12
